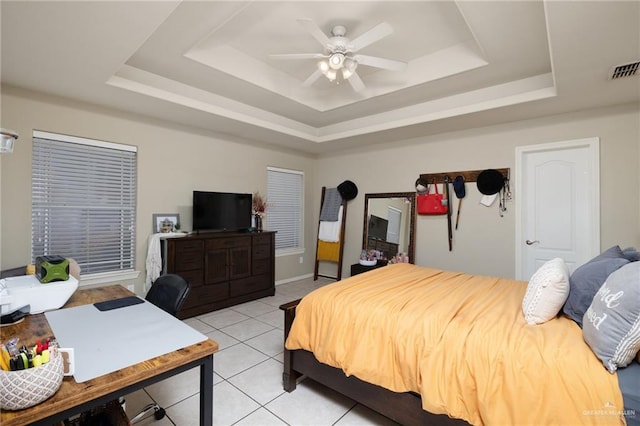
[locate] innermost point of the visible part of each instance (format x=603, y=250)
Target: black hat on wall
x=348, y=190
x=421, y=186
x=490, y=181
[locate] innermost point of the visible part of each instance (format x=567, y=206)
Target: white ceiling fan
x=340, y=53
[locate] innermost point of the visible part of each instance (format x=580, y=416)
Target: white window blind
x=285, y=207
x=84, y=202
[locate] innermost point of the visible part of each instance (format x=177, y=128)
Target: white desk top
x=107, y=341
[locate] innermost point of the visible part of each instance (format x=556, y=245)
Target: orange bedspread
x=461, y=342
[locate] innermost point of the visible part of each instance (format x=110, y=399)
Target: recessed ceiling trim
x=515, y=92
x=512, y=93
x=146, y=83
x=447, y=62
x=470, y=27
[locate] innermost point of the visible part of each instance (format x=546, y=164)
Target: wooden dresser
x=389, y=249
x=224, y=268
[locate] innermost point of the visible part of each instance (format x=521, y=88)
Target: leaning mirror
x=389, y=223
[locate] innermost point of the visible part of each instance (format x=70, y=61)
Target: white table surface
x=106, y=341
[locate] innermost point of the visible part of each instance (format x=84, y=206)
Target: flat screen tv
x=377, y=228
x=221, y=211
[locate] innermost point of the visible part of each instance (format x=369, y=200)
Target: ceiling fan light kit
x=331, y=74
x=336, y=60
x=323, y=66
x=339, y=53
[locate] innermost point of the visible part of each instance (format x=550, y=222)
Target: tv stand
x=223, y=268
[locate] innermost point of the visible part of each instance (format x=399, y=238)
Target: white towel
x=330, y=231
x=154, y=257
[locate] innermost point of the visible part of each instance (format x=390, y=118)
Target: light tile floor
x=248, y=374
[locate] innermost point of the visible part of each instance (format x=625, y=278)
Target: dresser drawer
x=188, y=262
x=189, y=255
x=188, y=245
x=261, y=266
x=249, y=285
x=262, y=238
x=195, y=277
x=206, y=294
x=220, y=243
x=261, y=251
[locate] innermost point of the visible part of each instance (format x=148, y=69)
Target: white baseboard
x=288, y=280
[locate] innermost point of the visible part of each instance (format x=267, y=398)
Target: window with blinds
x=285, y=207
x=83, y=195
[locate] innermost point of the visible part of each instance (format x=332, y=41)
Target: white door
x=557, y=204
x=393, y=230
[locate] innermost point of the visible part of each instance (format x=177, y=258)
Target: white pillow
x=547, y=291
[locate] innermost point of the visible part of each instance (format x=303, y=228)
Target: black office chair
x=168, y=293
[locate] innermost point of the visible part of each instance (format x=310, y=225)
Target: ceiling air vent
x=626, y=70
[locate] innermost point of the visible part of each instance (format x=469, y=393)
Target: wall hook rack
x=467, y=175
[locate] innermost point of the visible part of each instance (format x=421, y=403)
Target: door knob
x=529, y=242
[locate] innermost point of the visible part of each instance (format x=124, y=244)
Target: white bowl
x=368, y=262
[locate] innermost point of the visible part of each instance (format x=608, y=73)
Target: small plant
x=259, y=204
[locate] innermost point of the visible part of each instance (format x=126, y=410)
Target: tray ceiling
x=207, y=64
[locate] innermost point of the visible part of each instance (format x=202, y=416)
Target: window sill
x=108, y=277
x=289, y=252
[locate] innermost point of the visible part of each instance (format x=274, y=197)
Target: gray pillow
x=587, y=280
x=631, y=253
x=612, y=322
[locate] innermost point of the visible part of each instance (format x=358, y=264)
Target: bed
x=427, y=346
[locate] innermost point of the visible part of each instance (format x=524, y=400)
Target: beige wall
x=485, y=242
x=174, y=160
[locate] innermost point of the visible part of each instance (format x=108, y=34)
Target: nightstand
x=357, y=268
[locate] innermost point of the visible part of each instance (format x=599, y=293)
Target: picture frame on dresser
x=159, y=218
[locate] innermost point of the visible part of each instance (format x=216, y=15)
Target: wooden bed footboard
x=289, y=375
x=404, y=408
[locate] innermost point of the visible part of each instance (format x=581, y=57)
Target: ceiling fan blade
x=376, y=33
x=312, y=78
x=314, y=30
x=387, y=64
x=298, y=56
x=356, y=82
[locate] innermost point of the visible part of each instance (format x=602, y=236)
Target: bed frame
x=404, y=408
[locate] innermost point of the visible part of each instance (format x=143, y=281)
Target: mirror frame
x=412, y=224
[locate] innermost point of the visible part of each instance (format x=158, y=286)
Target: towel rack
x=336, y=251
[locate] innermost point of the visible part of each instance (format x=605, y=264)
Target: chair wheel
x=159, y=413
